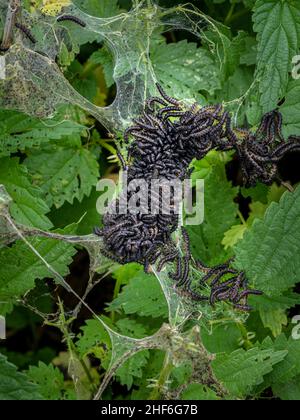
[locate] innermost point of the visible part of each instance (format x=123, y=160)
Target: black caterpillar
x=71, y=19
x=26, y=32
x=167, y=137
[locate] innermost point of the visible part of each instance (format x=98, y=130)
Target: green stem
x=163, y=377
x=116, y=292
x=237, y=15
x=71, y=346
x=241, y=217
x=230, y=13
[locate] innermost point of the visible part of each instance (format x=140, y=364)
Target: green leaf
x=131, y=328
x=241, y=370
x=248, y=56
x=289, y=367
x=184, y=70
x=95, y=340
x=142, y=296
x=269, y=252
x=19, y=131
x=133, y=368
x=63, y=173
x=20, y=267
x=49, y=380
x=221, y=338
x=151, y=371
x=234, y=235
x=28, y=206
x=198, y=392
x=273, y=311
x=233, y=50
x=15, y=385
x=289, y=391
x=277, y=24
x=291, y=108
x=257, y=193
x=85, y=212
x=104, y=58
x=219, y=215
x=103, y=8
x=274, y=320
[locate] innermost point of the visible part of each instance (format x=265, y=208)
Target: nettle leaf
x=273, y=310
x=103, y=8
x=198, y=392
x=233, y=49
x=131, y=328
x=289, y=391
x=20, y=267
x=133, y=367
x=289, y=367
x=27, y=207
x=222, y=338
x=52, y=7
x=95, y=340
x=15, y=385
x=234, y=235
x=241, y=370
x=277, y=24
x=291, y=108
x=184, y=69
x=151, y=371
x=220, y=214
x=49, y=380
x=63, y=173
x=269, y=252
x=248, y=56
x=104, y=58
x=85, y=212
x=142, y=296
x=19, y=131
x=257, y=193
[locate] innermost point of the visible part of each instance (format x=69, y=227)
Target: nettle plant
x=143, y=307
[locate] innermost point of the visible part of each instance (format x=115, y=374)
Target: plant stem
x=241, y=217
x=116, y=292
x=230, y=13
x=237, y=15
x=71, y=346
x=163, y=377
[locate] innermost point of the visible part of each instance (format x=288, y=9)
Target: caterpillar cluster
x=166, y=138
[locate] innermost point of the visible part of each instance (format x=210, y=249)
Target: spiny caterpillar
x=71, y=19
x=166, y=138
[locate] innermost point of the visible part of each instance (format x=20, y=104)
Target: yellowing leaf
x=53, y=7
x=234, y=235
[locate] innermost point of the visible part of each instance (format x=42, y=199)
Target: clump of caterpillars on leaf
x=166, y=138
